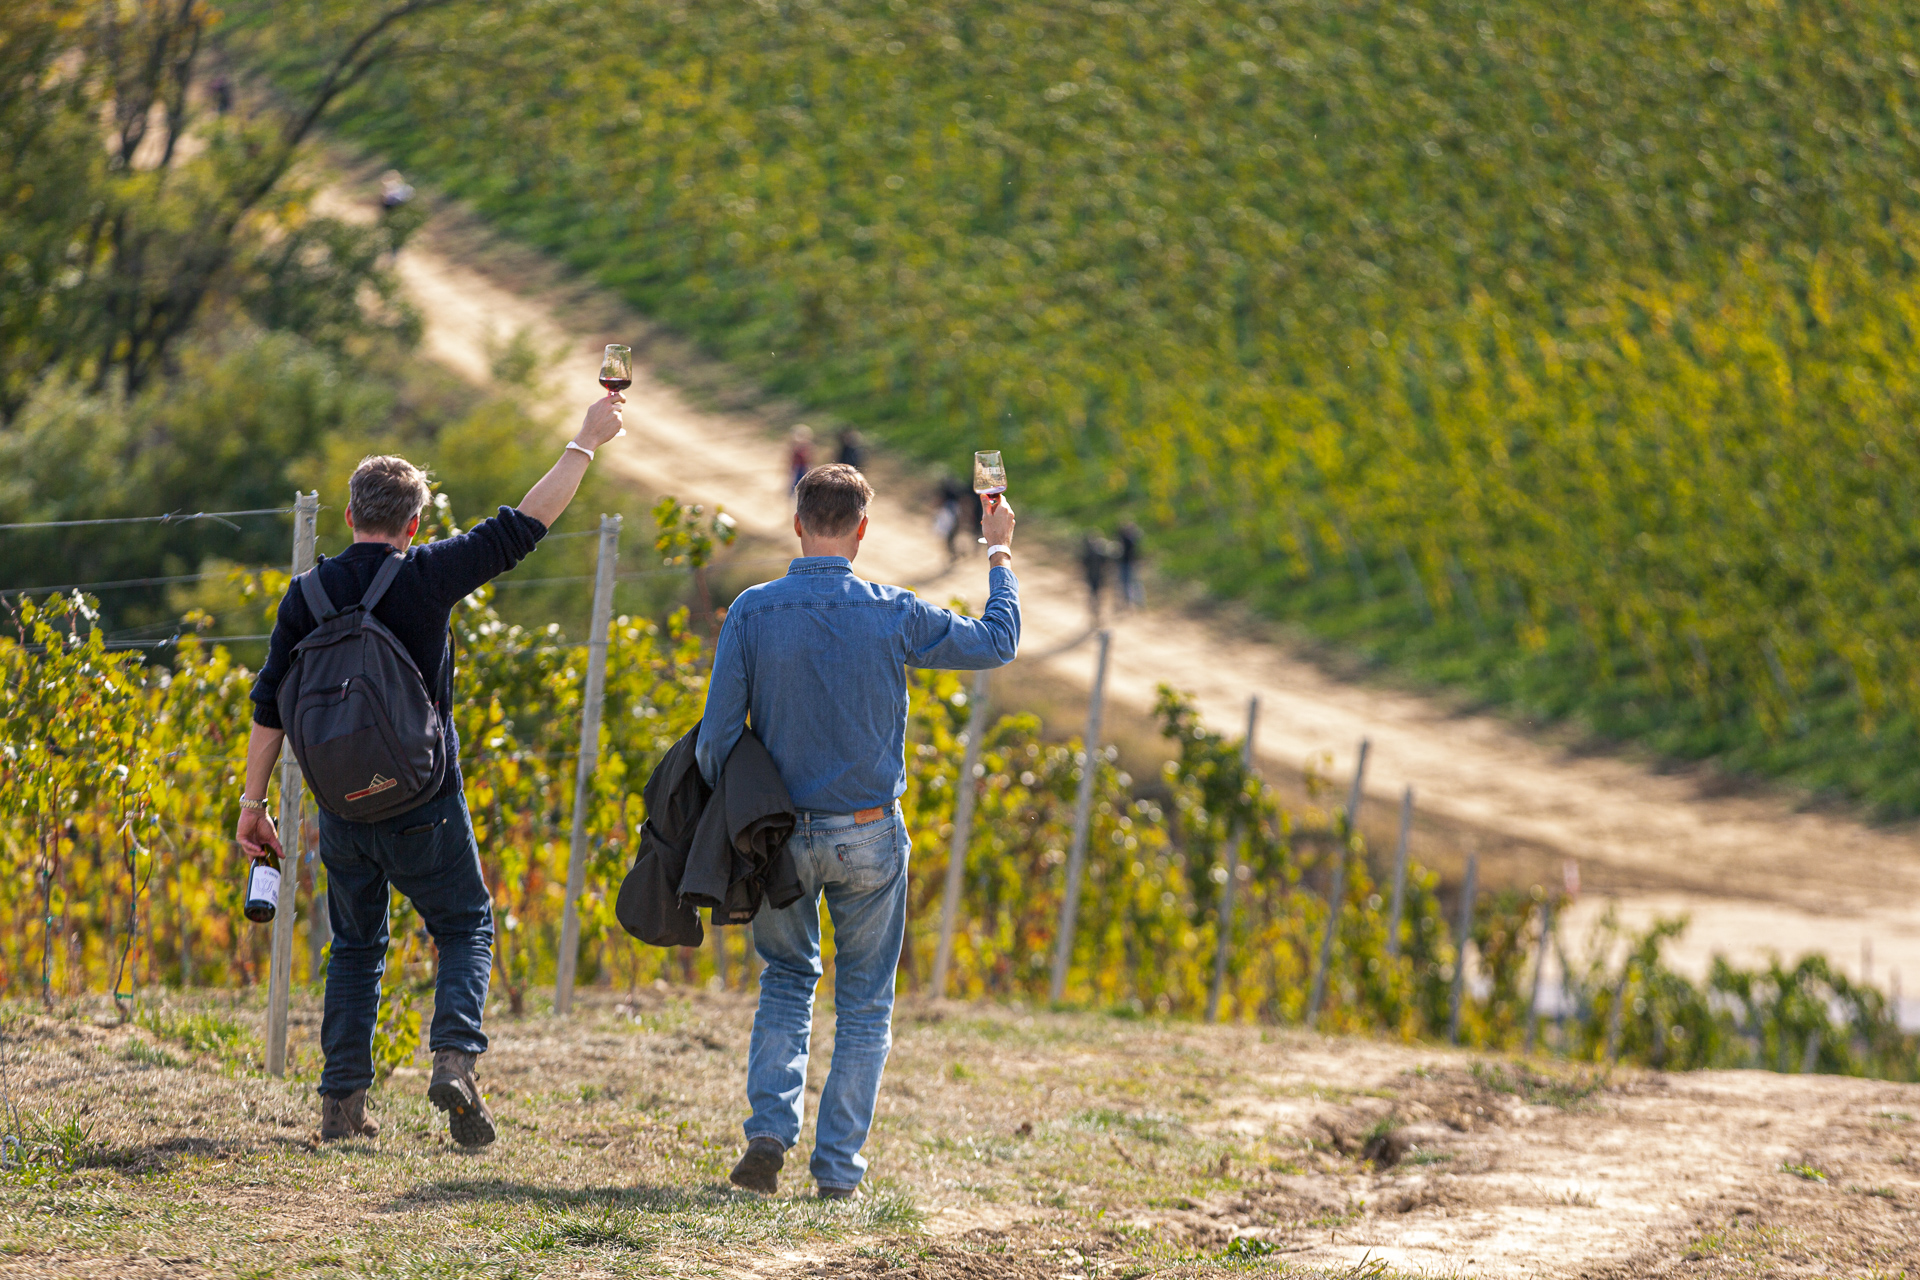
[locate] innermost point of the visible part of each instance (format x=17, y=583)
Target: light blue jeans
x=862, y=869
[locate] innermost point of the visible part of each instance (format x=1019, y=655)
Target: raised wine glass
x=989, y=479
x=616, y=370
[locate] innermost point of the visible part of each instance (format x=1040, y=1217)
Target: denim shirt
x=817, y=661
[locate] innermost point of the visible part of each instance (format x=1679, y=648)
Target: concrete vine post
x=1461, y=939
x=306, y=516
x=1220, y=953
x=963, y=799
x=1399, y=876
x=1336, y=891
x=591, y=699
x=1082, y=817
x=1539, y=971
x=1619, y=1001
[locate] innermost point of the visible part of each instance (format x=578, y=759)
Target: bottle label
x=264, y=886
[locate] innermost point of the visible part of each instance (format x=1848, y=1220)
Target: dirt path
x=1796, y=880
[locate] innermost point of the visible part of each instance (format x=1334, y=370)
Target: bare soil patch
x=1009, y=1144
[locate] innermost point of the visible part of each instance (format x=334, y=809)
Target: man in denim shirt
x=817, y=662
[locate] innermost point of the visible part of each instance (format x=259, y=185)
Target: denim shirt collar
x=819, y=564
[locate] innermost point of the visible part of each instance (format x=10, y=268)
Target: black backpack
x=357, y=712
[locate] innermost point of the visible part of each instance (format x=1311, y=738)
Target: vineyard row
x=119, y=779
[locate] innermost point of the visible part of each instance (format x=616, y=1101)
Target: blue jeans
x=428, y=854
x=863, y=871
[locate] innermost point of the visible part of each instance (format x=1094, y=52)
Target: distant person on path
x=222, y=95
x=799, y=453
x=817, y=661
x=426, y=852
x=1093, y=564
x=853, y=451
x=394, y=191
x=946, y=516
x=1132, y=596
x=395, y=195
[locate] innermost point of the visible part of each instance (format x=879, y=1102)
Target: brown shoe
x=346, y=1118
x=759, y=1168
x=455, y=1092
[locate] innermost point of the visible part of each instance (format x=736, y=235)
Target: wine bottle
x=263, y=888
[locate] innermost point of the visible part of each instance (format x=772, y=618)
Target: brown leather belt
x=868, y=815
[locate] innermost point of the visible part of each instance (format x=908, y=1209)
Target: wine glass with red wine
x=616, y=370
x=989, y=478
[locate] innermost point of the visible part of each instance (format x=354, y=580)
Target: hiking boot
x=346, y=1118
x=454, y=1091
x=838, y=1193
x=759, y=1168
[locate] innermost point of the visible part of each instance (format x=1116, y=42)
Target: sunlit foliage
x=118, y=782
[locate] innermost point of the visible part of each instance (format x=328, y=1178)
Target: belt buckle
x=868, y=815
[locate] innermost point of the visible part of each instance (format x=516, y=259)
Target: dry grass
x=1009, y=1144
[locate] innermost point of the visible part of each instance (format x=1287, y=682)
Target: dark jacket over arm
x=739, y=853
x=723, y=847
x=649, y=905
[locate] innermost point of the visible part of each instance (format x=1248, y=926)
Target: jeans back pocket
x=868, y=855
x=416, y=848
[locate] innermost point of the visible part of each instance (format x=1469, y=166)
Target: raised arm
x=947, y=641
x=551, y=493
x=454, y=567
x=943, y=640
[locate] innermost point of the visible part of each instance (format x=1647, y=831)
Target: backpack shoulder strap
x=318, y=602
x=381, y=581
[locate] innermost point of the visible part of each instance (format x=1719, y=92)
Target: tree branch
x=353, y=62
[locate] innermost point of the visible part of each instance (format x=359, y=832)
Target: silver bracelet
x=260, y=804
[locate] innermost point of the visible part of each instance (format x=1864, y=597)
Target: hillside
x=1562, y=352
x=1753, y=874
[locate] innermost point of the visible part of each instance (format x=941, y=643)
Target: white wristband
x=574, y=444
x=997, y=548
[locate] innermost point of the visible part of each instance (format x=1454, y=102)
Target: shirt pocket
x=869, y=855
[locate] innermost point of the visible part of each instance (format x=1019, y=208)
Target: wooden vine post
x=593, y=695
x=1336, y=892
x=963, y=800
x=306, y=515
x=1220, y=953
x=1082, y=817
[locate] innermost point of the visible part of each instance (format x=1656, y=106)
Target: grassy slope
x=1030, y=1146
x=1562, y=352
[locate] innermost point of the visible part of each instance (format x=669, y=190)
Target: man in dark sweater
x=428, y=852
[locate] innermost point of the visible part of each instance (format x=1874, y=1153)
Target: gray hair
x=386, y=493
